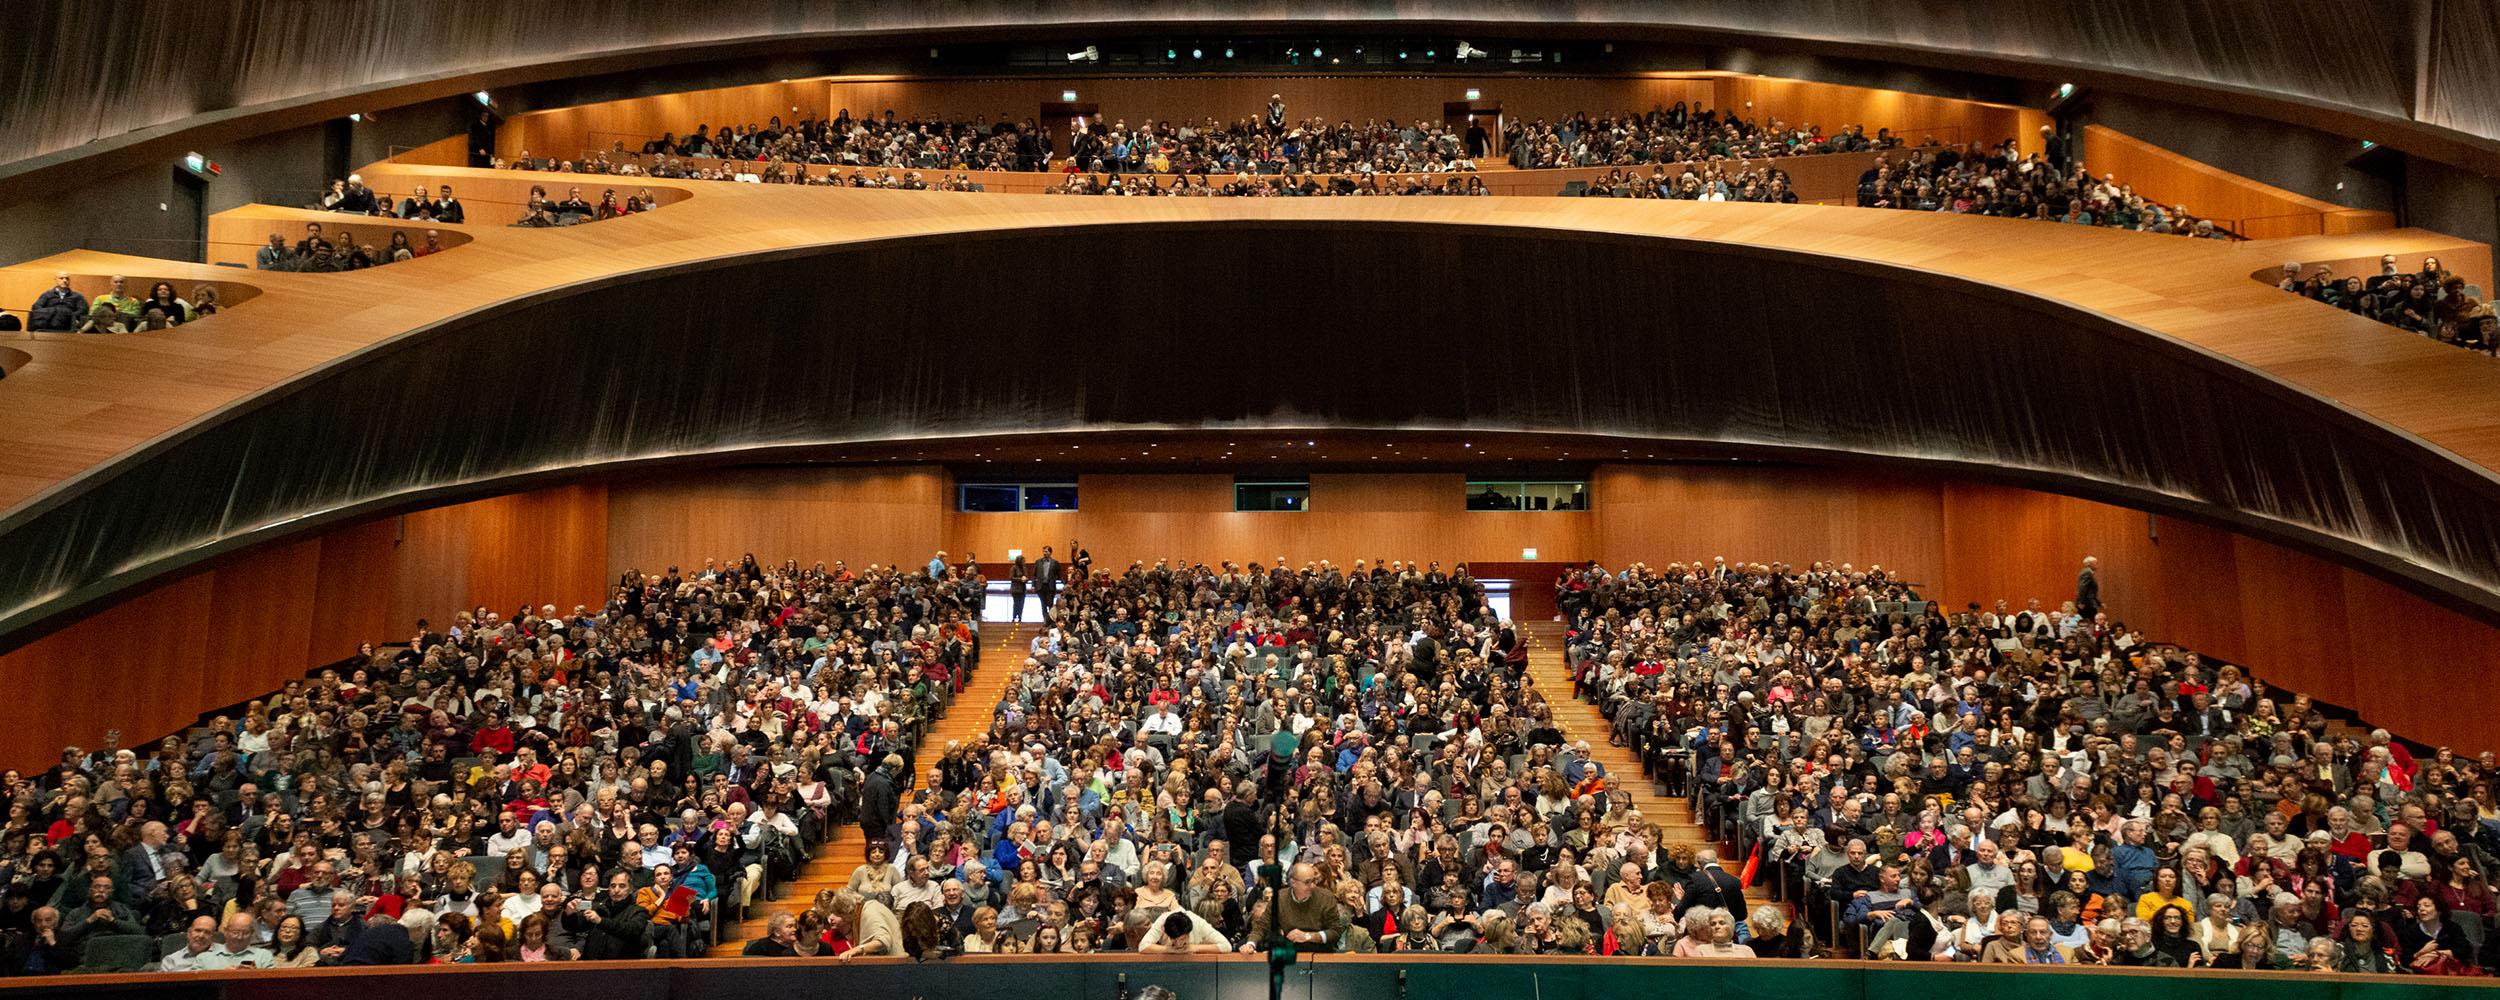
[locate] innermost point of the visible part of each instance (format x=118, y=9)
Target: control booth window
x=1272, y=495
x=1001, y=498
x=1512, y=495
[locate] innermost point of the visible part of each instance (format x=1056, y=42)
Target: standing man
x=878, y=802
x=1711, y=886
x=2088, y=589
x=1046, y=581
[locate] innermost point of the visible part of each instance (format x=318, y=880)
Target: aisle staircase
x=1581, y=722
x=1004, y=649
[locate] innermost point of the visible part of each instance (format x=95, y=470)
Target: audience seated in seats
x=1795, y=703
x=316, y=253
x=2431, y=301
x=2001, y=181
x=620, y=780
x=59, y=309
x=1261, y=146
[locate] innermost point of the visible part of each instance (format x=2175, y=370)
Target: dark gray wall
x=2287, y=156
x=2456, y=202
x=2424, y=193
x=118, y=213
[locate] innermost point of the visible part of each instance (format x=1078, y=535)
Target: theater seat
x=117, y=953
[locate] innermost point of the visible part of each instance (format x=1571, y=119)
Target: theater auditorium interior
x=1184, y=499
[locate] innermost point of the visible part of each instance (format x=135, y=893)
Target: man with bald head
x=1308, y=912
x=151, y=861
x=59, y=309
x=39, y=950
x=235, y=948
x=198, y=937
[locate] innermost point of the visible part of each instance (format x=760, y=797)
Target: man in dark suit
x=150, y=862
x=1046, y=580
x=2088, y=589
x=878, y=802
x=1712, y=886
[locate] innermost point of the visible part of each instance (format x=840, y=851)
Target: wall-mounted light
x=1473, y=94
x=1067, y=95
x=484, y=98
x=355, y=117
x=1528, y=554
x=2065, y=90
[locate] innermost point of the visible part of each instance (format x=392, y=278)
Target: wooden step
x=1581, y=721
x=834, y=862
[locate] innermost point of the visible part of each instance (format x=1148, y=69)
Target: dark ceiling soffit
x=19, y=630
x=2455, y=593
x=59, y=170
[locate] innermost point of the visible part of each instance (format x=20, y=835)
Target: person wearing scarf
x=2039, y=948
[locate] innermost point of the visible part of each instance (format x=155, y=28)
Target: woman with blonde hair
x=1500, y=937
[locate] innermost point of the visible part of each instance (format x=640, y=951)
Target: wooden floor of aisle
x=1004, y=647
x=1581, y=722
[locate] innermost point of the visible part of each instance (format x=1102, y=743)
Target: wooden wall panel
x=237, y=235
x=2017, y=545
x=2416, y=668
x=1913, y=117
x=1663, y=514
x=122, y=669
x=545, y=547
x=819, y=514
x=567, y=132
x=1196, y=97
x=1123, y=518
x=2254, y=209
x=990, y=536
x=2299, y=630
x=449, y=151
x=261, y=610
x=355, y=565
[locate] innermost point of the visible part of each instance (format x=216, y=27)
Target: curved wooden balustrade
x=80, y=403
